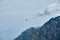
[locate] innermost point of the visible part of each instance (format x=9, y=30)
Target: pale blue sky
x=14, y=12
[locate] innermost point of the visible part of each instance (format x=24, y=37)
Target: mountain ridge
x=48, y=31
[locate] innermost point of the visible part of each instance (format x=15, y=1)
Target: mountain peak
x=49, y=31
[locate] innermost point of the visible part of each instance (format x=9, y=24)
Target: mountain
x=49, y=31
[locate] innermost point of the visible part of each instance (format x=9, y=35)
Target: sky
x=14, y=12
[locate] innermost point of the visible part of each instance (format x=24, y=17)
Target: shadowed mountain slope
x=49, y=31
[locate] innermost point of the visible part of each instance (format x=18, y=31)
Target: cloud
x=52, y=9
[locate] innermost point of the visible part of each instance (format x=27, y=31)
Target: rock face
x=49, y=31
